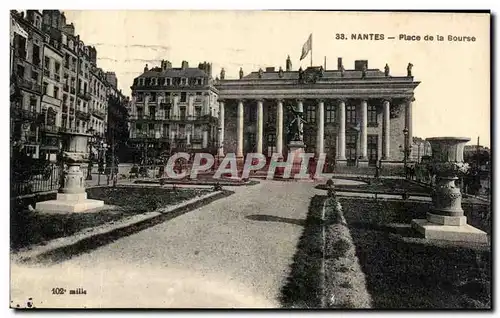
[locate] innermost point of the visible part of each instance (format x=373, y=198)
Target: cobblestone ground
x=234, y=252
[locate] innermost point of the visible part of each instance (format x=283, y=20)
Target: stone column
x=300, y=109
x=387, y=129
x=320, y=130
x=239, y=129
x=190, y=109
x=279, y=127
x=221, y=128
x=205, y=139
x=408, y=119
x=175, y=109
x=341, y=131
x=260, y=124
x=363, y=134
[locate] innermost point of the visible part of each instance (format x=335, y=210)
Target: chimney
x=185, y=64
x=360, y=64
x=339, y=63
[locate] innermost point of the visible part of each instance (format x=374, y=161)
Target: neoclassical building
x=354, y=116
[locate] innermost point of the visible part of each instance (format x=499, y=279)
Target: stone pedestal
x=295, y=149
x=446, y=220
x=72, y=196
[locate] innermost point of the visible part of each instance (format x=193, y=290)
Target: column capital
x=221, y=100
x=320, y=100
x=280, y=100
x=387, y=99
x=409, y=99
x=342, y=100
x=259, y=100
x=299, y=100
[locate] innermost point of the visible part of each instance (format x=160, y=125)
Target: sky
x=453, y=98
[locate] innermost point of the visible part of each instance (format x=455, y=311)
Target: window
x=271, y=115
x=46, y=63
x=197, y=111
x=34, y=75
x=36, y=55
x=152, y=97
x=168, y=81
x=153, y=81
x=141, y=82
x=184, y=81
x=140, y=97
x=56, y=92
x=57, y=71
x=372, y=148
x=182, y=111
x=310, y=141
x=350, y=151
x=372, y=115
x=271, y=144
x=330, y=114
x=33, y=104
x=20, y=71
x=351, y=114
x=310, y=114
x=250, y=142
x=183, y=97
x=45, y=87
x=138, y=126
x=20, y=45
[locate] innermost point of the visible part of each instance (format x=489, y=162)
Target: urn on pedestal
x=446, y=219
x=72, y=196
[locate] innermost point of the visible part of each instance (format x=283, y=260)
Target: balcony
x=30, y=85
x=98, y=114
x=24, y=114
x=84, y=95
x=82, y=115
x=50, y=129
x=51, y=100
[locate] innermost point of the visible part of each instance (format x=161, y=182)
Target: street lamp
x=91, y=141
x=406, y=151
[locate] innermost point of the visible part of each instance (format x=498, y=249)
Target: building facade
x=355, y=116
x=56, y=87
x=174, y=109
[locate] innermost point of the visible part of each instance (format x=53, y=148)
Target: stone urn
x=448, y=164
x=446, y=219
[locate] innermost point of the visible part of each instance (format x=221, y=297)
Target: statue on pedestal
x=261, y=72
x=386, y=70
x=301, y=75
x=222, y=74
x=408, y=69
x=342, y=70
x=288, y=64
x=241, y=72
x=280, y=72
x=295, y=132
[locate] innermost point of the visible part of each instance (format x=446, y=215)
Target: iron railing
x=35, y=180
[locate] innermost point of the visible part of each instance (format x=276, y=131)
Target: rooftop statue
x=241, y=72
x=408, y=69
x=222, y=74
x=386, y=70
x=288, y=64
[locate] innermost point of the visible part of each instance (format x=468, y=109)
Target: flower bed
x=388, y=186
x=325, y=272
x=29, y=227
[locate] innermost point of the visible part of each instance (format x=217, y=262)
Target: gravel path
x=234, y=252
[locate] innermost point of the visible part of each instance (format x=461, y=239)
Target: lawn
x=404, y=271
x=28, y=228
x=383, y=185
x=392, y=263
